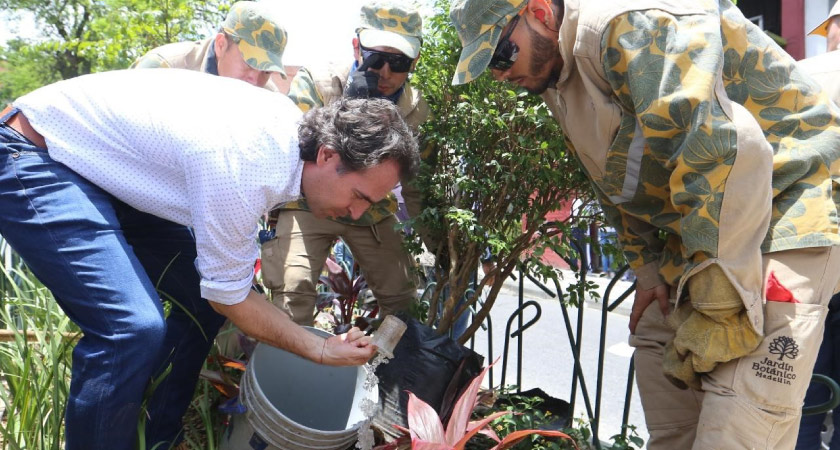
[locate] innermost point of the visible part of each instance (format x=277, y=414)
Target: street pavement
x=547, y=361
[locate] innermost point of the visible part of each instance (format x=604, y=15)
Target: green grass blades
x=35, y=360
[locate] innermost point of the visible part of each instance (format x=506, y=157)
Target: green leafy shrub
x=499, y=165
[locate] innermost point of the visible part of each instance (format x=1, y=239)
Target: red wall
x=793, y=27
x=559, y=215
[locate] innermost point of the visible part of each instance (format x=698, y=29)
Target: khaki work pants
x=754, y=402
x=292, y=262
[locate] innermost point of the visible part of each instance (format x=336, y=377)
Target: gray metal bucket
x=293, y=403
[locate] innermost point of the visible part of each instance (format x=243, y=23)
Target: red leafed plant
x=426, y=432
x=344, y=296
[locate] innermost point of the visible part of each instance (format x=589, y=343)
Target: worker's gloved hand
x=364, y=83
x=714, y=328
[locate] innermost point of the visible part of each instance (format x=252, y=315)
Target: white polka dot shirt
x=204, y=151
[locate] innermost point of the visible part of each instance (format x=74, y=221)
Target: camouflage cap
x=479, y=24
x=258, y=34
x=391, y=24
x=822, y=29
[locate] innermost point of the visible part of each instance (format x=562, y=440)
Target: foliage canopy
x=85, y=36
x=501, y=166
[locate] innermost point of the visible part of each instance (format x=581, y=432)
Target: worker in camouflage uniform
x=715, y=159
x=825, y=69
x=386, y=49
x=249, y=46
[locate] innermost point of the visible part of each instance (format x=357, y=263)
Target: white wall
x=816, y=11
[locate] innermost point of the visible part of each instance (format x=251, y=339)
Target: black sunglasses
x=506, y=51
x=375, y=60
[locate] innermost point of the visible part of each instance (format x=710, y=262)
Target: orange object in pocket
x=778, y=293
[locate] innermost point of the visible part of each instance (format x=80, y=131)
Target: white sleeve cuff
x=226, y=292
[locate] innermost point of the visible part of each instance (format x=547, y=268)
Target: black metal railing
x=574, y=332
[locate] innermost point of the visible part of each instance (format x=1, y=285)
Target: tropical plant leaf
x=333, y=267
x=462, y=411
x=359, y=283
x=423, y=422
x=339, y=281
x=325, y=299
x=486, y=431
x=233, y=363
x=219, y=381
x=478, y=426
x=419, y=444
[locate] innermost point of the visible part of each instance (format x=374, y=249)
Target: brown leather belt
x=19, y=123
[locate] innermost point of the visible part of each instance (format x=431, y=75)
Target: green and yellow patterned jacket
x=320, y=86
x=705, y=143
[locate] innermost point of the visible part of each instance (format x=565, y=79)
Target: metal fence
x=529, y=312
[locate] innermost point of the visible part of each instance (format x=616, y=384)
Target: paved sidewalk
x=547, y=358
x=531, y=291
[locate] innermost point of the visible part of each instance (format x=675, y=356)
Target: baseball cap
x=822, y=28
x=479, y=24
x=390, y=24
x=258, y=34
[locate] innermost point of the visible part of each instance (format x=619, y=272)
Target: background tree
x=500, y=166
x=84, y=36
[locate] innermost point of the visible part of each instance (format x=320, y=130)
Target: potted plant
x=426, y=431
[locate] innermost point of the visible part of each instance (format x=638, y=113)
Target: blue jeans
x=607, y=260
x=108, y=265
x=463, y=321
x=828, y=363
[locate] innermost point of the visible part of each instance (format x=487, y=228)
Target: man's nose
x=257, y=77
x=385, y=71
x=356, y=211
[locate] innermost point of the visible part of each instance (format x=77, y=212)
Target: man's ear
x=220, y=43
x=325, y=155
x=414, y=63
x=541, y=9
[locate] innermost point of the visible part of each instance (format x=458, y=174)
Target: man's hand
x=644, y=298
x=349, y=349
x=265, y=322
x=364, y=83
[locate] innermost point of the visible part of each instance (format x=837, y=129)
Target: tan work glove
x=712, y=329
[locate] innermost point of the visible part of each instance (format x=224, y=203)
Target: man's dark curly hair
x=364, y=132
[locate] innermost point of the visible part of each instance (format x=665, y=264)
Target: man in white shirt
x=87, y=167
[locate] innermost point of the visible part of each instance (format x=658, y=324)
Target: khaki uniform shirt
x=825, y=69
x=704, y=142
x=184, y=55
x=320, y=86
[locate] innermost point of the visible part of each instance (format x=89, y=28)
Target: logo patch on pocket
x=777, y=369
x=785, y=347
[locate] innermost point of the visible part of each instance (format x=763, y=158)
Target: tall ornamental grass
x=35, y=355
x=36, y=346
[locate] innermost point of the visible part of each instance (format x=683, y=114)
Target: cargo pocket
x=778, y=372
x=273, y=261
